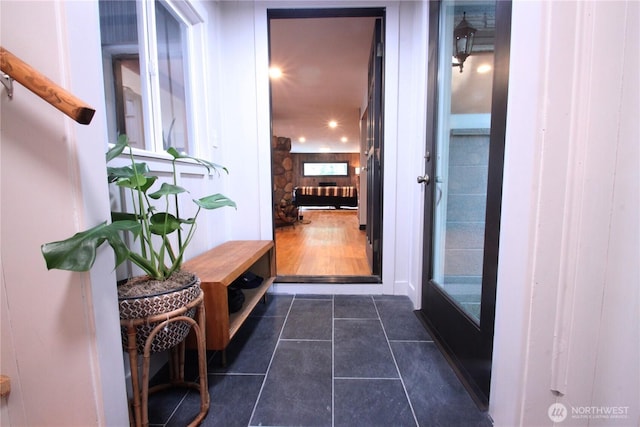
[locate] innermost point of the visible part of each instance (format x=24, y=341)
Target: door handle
x=424, y=179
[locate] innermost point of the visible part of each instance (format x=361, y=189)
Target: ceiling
x=324, y=63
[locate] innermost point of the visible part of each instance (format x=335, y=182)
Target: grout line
x=404, y=387
x=236, y=374
x=174, y=409
x=357, y=318
x=266, y=374
x=368, y=378
x=333, y=362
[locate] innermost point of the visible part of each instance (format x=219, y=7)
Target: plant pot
x=141, y=307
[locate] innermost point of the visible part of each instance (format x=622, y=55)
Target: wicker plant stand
x=140, y=400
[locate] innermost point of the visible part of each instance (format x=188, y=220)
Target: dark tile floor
x=326, y=361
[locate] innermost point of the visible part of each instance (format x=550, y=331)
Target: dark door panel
x=374, y=151
x=466, y=126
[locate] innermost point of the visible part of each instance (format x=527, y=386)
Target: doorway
x=466, y=127
x=326, y=72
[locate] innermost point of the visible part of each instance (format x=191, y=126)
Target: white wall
x=569, y=243
x=245, y=131
x=567, y=321
x=60, y=332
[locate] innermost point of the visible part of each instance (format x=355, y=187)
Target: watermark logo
x=557, y=412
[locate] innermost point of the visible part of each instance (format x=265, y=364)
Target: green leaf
x=118, y=148
x=207, y=164
x=128, y=171
x=123, y=216
x=163, y=223
x=166, y=190
x=78, y=253
x=134, y=182
x=215, y=201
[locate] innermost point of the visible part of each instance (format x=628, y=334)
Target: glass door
x=468, y=79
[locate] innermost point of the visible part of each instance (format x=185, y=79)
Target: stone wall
x=282, y=169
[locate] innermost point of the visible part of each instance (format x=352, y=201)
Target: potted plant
x=159, y=245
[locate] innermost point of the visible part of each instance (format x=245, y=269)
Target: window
x=325, y=169
x=149, y=100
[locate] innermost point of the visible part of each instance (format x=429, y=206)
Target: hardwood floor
x=324, y=243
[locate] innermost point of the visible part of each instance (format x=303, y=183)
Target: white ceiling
x=324, y=62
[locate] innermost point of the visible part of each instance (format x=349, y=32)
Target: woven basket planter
x=143, y=307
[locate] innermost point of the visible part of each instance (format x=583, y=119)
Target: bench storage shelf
x=217, y=269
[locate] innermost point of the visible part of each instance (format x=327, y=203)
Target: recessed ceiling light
x=275, y=72
x=484, y=68
x=344, y=139
x=302, y=139
x=333, y=124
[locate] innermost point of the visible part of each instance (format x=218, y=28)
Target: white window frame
x=193, y=46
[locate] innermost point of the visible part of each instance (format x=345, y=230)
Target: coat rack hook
x=7, y=81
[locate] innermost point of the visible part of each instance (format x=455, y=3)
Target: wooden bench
x=217, y=269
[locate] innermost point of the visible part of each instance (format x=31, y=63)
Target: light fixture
x=302, y=139
x=357, y=171
x=483, y=69
x=275, y=72
x=333, y=124
x=462, y=41
x=344, y=139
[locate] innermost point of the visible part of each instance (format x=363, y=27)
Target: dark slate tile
x=437, y=396
x=367, y=402
x=162, y=404
x=251, y=348
x=354, y=307
x=310, y=296
x=399, y=320
x=309, y=319
x=361, y=350
x=232, y=400
x=297, y=390
x=276, y=305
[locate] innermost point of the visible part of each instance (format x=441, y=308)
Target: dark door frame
x=375, y=277
x=468, y=345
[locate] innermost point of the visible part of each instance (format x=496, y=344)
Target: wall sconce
x=357, y=171
x=462, y=41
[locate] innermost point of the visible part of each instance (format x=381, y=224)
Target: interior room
x=318, y=75
x=557, y=331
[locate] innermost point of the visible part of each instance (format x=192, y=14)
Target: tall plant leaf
x=215, y=201
x=207, y=164
x=118, y=148
x=164, y=223
x=167, y=190
x=78, y=253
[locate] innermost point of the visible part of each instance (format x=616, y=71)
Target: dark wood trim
x=349, y=12
x=496, y=166
x=329, y=279
x=432, y=103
